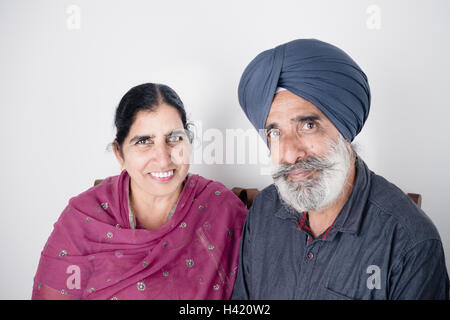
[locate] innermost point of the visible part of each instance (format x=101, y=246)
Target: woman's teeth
x=162, y=174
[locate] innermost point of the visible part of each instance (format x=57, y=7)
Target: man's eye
x=309, y=125
x=273, y=133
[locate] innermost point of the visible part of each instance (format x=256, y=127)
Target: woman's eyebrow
x=143, y=137
x=175, y=132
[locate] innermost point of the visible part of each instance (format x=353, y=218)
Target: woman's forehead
x=161, y=120
x=160, y=116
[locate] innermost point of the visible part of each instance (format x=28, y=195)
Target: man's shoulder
x=265, y=203
x=396, y=206
x=267, y=196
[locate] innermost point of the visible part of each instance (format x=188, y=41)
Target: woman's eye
x=143, y=141
x=175, y=138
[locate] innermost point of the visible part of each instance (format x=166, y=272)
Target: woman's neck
x=150, y=210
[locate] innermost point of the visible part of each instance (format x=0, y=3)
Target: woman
x=152, y=232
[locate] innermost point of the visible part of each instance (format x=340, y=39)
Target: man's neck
x=321, y=220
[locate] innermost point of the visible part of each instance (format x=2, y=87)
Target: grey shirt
x=381, y=246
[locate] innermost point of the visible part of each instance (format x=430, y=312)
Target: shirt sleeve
x=420, y=274
x=241, y=286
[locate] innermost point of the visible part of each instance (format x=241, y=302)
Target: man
x=328, y=228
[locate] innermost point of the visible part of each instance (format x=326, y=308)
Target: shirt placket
x=312, y=247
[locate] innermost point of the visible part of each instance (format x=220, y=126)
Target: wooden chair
x=247, y=195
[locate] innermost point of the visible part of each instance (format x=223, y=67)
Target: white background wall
x=59, y=88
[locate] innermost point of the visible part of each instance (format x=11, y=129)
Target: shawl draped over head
x=313, y=70
x=93, y=254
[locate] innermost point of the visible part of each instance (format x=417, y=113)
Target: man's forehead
x=287, y=106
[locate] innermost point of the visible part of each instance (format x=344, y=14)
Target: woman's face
x=155, y=153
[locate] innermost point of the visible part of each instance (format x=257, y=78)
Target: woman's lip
x=297, y=175
x=163, y=179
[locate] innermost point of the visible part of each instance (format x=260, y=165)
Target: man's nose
x=288, y=149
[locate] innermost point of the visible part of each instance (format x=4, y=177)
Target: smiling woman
x=153, y=145
x=154, y=231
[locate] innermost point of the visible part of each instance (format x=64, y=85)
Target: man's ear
x=119, y=154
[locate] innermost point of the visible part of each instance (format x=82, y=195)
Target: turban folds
x=315, y=71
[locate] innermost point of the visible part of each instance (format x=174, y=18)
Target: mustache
x=309, y=164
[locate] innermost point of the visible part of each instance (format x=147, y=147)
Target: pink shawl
x=93, y=254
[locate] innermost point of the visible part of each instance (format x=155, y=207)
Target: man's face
x=310, y=157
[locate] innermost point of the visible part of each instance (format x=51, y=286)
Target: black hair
x=146, y=97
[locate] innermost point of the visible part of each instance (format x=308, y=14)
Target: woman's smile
x=162, y=176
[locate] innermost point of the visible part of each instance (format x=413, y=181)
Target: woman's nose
x=162, y=155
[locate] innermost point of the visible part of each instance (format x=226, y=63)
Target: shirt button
x=310, y=255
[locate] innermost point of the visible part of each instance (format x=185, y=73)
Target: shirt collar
x=350, y=217
x=284, y=211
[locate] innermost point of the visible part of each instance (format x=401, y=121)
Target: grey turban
x=315, y=71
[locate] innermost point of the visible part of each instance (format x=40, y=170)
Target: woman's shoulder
x=104, y=187
x=103, y=201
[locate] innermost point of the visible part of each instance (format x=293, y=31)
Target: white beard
x=324, y=188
